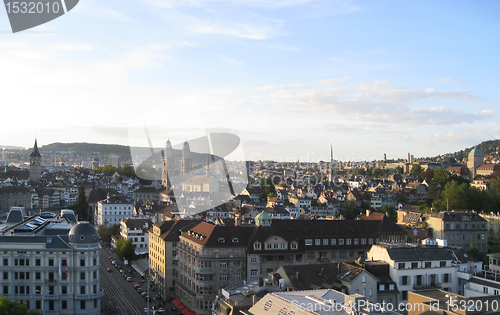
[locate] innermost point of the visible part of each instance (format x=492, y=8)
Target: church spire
x=331, y=155
x=35, y=152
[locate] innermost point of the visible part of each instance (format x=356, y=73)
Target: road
x=120, y=297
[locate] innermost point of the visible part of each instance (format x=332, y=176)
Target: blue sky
x=288, y=76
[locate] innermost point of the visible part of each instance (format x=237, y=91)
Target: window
x=257, y=246
x=82, y=275
x=342, y=254
x=333, y=241
x=427, y=264
x=253, y=259
x=94, y=275
x=294, y=245
x=446, y=277
x=370, y=292
x=64, y=289
x=370, y=241
x=381, y=287
x=6, y=261
x=308, y=242
x=82, y=262
x=485, y=290
x=38, y=275
x=356, y=241
x=391, y=287
x=82, y=304
x=414, y=265
x=5, y=275
x=254, y=273
x=403, y=280
x=38, y=262
x=325, y=241
x=5, y=289
x=401, y=265
x=341, y=241
x=51, y=262
x=363, y=241
x=442, y=264
x=64, y=304
x=364, y=279
x=82, y=289
x=404, y=295
x=317, y=241
x=310, y=255
x=348, y=241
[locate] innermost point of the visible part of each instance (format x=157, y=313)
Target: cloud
x=267, y=28
x=378, y=101
x=232, y=61
x=447, y=80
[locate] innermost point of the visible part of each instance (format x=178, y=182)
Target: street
x=120, y=297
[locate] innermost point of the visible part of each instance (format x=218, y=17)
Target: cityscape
x=249, y=157
x=85, y=234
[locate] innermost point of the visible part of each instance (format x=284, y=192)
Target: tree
x=106, y=233
x=349, y=210
x=125, y=248
x=268, y=185
x=390, y=212
x=441, y=177
x=81, y=207
x=403, y=199
x=9, y=307
x=474, y=252
x=128, y=171
x=416, y=170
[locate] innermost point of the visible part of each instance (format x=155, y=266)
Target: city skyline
x=288, y=77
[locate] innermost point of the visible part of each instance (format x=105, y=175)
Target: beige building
x=461, y=229
x=163, y=255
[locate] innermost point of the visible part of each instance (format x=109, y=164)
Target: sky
x=290, y=78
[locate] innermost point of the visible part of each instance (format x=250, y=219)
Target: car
x=136, y=286
x=129, y=279
x=110, y=270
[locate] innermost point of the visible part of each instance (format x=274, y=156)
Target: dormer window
x=221, y=240
x=294, y=245
x=235, y=240
x=257, y=246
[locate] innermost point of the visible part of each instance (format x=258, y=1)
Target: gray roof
x=15, y=216
x=55, y=241
x=83, y=233
x=419, y=253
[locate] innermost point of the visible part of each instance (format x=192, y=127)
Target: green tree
x=390, y=212
x=403, y=199
x=269, y=189
x=416, y=170
x=81, y=207
x=125, y=248
x=349, y=210
x=106, y=233
x=9, y=307
x=128, y=171
x=441, y=177
x=474, y=252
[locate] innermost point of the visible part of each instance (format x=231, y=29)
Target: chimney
x=254, y=299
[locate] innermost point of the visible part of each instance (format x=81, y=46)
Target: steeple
x=331, y=155
x=35, y=152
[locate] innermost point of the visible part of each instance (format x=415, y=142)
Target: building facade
x=52, y=266
x=112, y=210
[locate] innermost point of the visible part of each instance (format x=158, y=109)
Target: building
x=461, y=229
x=114, y=160
x=163, y=255
x=475, y=159
x=136, y=229
x=52, y=265
x=416, y=268
x=112, y=210
x=186, y=161
x=35, y=164
x=15, y=197
x=96, y=195
x=212, y=257
x=488, y=169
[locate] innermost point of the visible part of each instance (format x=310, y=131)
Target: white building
x=416, y=268
x=52, y=265
x=137, y=231
x=112, y=210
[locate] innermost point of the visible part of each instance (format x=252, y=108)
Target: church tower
x=168, y=163
x=332, y=167
x=35, y=164
x=186, y=163
x=475, y=158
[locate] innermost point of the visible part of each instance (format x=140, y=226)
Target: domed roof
x=263, y=216
x=475, y=151
x=83, y=233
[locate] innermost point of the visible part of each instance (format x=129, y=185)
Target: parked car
x=110, y=270
x=129, y=279
x=136, y=286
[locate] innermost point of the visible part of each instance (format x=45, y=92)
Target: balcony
x=431, y=285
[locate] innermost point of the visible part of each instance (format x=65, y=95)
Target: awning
x=177, y=302
x=191, y=313
x=185, y=311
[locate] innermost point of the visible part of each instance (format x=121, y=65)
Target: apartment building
x=136, y=229
x=163, y=254
x=52, y=265
x=112, y=210
x=461, y=229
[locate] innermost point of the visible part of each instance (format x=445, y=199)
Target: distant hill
x=104, y=150
x=490, y=148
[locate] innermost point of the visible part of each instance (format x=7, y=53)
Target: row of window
x=21, y=289
x=115, y=208
x=333, y=241
x=38, y=262
x=425, y=264
x=464, y=226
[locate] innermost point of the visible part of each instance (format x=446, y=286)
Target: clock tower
x=35, y=164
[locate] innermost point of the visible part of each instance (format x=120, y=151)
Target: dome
x=263, y=216
x=186, y=152
x=83, y=233
x=475, y=151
